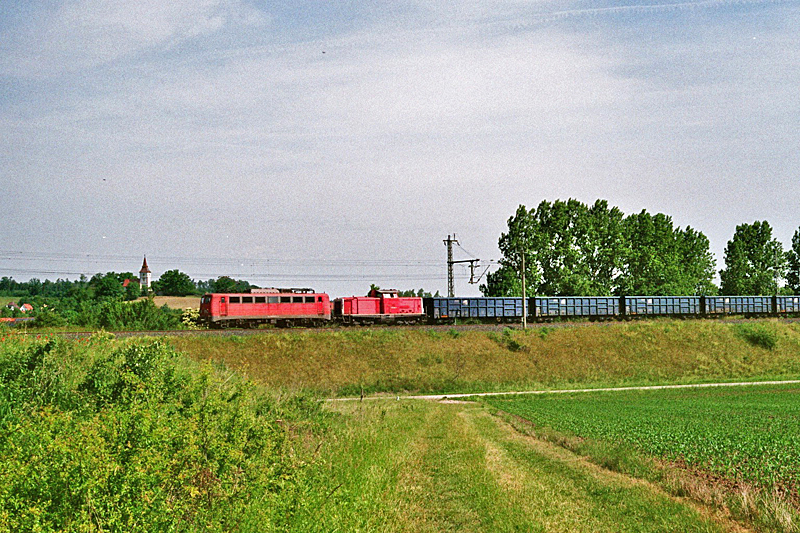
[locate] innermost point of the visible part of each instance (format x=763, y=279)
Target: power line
x=103, y=258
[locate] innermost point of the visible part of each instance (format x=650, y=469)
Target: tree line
x=106, y=300
x=573, y=249
x=112, y=285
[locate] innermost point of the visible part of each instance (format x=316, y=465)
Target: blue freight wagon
x=577, y=306
x=490, y=309
x=738, y=305
x=662, y=305
x=787, y=304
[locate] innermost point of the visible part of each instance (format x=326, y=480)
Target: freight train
x=305, y=307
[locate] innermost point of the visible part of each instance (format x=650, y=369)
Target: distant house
x=25, y=308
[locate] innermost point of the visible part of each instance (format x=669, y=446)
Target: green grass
x=427, y=467
x=749, y=437
x=348, y=361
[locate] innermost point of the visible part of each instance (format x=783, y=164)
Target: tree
x=133, y=290
x=754, y=261
x=421, y=293
x=228, y=284
x=519, y=240
x=107, y=286
x=175, y=283
x=572, y=249
x=793, y=264
x=696, y=261
x=663, y=259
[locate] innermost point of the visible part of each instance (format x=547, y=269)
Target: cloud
x=89, y=33
x=374, y=137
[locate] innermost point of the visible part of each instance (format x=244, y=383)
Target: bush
x=508, y=341
x=30, y=377
x=140, y=315
x=48, y=318
x=146, y=441
x=190, y=318
x=758, y=335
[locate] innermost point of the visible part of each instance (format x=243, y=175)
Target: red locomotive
x=378, y=306
x=281, y=307
x=304, y=307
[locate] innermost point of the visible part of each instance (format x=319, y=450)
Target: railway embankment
x=352, y=362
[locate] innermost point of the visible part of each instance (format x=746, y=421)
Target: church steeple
x=144, y=275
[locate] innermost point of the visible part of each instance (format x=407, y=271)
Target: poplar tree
x=793, y=264
x=754, y=261
x=572, y=249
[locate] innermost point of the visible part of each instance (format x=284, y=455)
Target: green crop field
x=747, y=434
x=744, y=436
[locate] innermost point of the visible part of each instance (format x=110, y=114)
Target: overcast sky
x=337, y=143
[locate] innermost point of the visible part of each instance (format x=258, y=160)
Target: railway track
x=228, y=332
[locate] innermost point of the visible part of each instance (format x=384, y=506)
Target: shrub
x=190, y=318
x=150, y=442
x=48, y=318
x=140, y=315
x=508, y=341
x=758, y=335
x=29, y=377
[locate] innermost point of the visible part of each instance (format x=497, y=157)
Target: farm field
x=746, y=439
x=178, y=302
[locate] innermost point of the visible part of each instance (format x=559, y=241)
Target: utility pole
x=451, y=287
x=524, y=297
x=473, y=263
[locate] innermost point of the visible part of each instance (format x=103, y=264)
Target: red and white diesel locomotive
x=304, y=307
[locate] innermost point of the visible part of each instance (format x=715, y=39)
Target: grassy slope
x=394, y=360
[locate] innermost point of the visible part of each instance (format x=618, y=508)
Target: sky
x=335, y=144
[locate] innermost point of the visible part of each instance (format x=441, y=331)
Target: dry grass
x=348, y=361
x=178, y=302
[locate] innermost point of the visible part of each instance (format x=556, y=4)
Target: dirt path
x=446, y=397
x=457, y=467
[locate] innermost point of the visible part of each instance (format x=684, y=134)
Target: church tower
x=144, y=276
